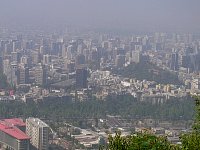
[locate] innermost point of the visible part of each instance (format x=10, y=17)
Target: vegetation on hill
x=148, y=71
x=126, y=106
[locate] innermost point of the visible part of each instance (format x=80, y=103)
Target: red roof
x=15, y=122
x=13, y=131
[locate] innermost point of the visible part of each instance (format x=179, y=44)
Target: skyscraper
x=56, y=48
x=13, y=75
x=174, y=61
x=1, y=63
x=46, y=59
x=136, y=56
x=80, y=59
x=23, y=75
x=120, y=61
x=39, y=133
x=81, y=77
x=40, y=75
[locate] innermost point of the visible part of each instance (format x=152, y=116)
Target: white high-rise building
x=195, y=84
x=136, y=56
x=39, y=133
x=40, y=75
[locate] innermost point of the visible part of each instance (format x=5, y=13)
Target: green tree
x=191, y=140
x=146, y=141
x=148, y=71
x=140, y=141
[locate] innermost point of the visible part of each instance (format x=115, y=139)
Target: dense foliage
x=126, y=106
x=140, y=141
x=149, y=72
x=192, y=140
x=3, y=81
x=147, y=141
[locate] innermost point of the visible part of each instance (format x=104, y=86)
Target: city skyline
x=73, y=72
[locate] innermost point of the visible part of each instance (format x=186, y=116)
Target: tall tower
x=39, y=133
x=81, y=77
x=174, y=61
x=80, y=59
x=15, y=57
x=136, y=56
x=23, y=75
x=120, y=61
x=13, y=76
x=40, y=75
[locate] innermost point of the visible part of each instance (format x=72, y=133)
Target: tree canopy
x=124, y=105
x=148, y=71
x=148, y=141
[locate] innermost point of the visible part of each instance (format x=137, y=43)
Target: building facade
x=39, y=133
x=13, y=138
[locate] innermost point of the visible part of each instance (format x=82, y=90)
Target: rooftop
x=37, y=122
x=15, y=122
x=13, y=131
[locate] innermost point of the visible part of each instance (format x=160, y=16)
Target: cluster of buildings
x=17, y=135
x=143, y=90
x=65, y=66
x=102, y=128
x=61, y=62
x=41, y=62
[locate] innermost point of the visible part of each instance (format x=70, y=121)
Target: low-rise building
x=13, y=138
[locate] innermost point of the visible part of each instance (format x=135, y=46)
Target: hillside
x=149, y=72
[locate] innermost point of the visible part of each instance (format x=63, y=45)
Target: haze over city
x=99, y=74
x=143, y=15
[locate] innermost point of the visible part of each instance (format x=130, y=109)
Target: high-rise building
x=185, y=61
x=174, y=61
x=56, y=48
x=39, y=133
x=64, y=51
x=120, y=61
x=46, y=59
x=195, y=62
x=40, y=75
x=35, y=56
x=6, y=66
x=69, y=66
x=26, y=61
x=81, y=77
x=23, y=73
x=138, y=48
x=136, y=56
x=195, y=84
x=13, y=75
x=15, y=57
x=8, y=49
x=1, y=63
x=70, y=52
x=30, y=44
x=16, y=45
x=80, y=59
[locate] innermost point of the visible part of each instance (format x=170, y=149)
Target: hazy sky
x=122, y=14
